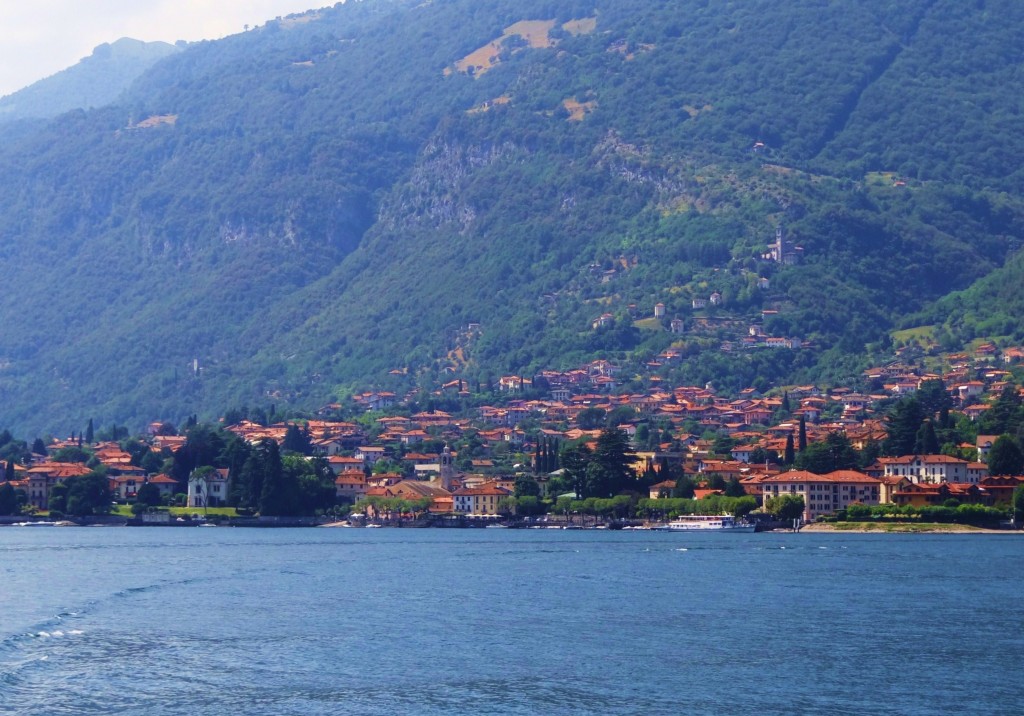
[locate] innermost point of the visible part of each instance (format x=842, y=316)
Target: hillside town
x=495, y=455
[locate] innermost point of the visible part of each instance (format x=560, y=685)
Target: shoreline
x=902, y=528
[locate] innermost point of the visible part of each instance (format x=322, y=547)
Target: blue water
x=231, y=621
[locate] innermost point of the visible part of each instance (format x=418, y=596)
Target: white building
x=927, y=469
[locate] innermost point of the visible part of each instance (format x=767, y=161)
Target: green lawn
x=126, y=511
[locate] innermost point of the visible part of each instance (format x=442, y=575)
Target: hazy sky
x=41, y=37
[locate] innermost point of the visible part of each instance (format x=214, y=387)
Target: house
x=340, y=463
x=370, y=454
x=824, y=494
x=125, y=487
x=1000, y=489
x=479, y=501
x=924, y=495
x=350, y=486
x=984, y=443
x=676, y=325
x=167, y=485
x=742, y=453
x=662, y=489
x=659, y=310
x=208, y=488
x=43, y=477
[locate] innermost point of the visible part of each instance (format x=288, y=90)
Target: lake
x=407, y=621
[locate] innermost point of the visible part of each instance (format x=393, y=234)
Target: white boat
x=702, y=523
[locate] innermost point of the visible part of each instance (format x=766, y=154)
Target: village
x=502, y=457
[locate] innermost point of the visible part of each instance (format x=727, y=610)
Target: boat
x=703, y=523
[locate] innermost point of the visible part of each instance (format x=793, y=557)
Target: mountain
x=95, y=81
x=391, y=192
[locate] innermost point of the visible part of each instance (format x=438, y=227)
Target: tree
x=9, y=474
x=934, y=398
x=871, y=452
x=613, y=460
x=733, y=488
x=279, y=490
x=685, y=487
x=790, y=454
x=148, y=495
x=802, y=444
x=526, y=486
x=574, y=461
x=1005, y=456
x=8, y=500
x=901, y=426
x=90, y=434
x=296, y=439
x=833, y=453
x=926, y=442
x=71, y=453
x=1005, y=416
x=1018, y=505
x=203, y=446
x=760, y=455
x=785, y=507
x=591, y=418
x=83, y=495
x=39, y=447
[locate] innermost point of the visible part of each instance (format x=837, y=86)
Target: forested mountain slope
x=95, y=81
x=337, y=195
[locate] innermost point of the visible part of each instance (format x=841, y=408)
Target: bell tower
x=447, y=469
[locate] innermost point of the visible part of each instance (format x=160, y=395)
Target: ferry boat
x=695, y=523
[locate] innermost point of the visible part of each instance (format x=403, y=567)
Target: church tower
x=447, y=469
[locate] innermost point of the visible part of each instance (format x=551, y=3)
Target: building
x=350, y=486
x=43, y=477
x=208, y=488
x=927, y=469
x=824, y=494
x=479, y=501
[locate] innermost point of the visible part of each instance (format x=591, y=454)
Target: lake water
x=232, y=621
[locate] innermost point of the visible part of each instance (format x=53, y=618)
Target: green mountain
x=95, y=81
x=389, y=192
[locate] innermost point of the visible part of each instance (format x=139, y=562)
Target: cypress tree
x=790, y=454
x=802, y=445
x=9, y=471
x=926, y=442
x=89, y=433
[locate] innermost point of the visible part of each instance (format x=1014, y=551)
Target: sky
x=39, y=38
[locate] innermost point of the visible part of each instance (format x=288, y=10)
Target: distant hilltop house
x=782, y=251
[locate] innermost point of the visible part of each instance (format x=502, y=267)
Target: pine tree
x=901, y=426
